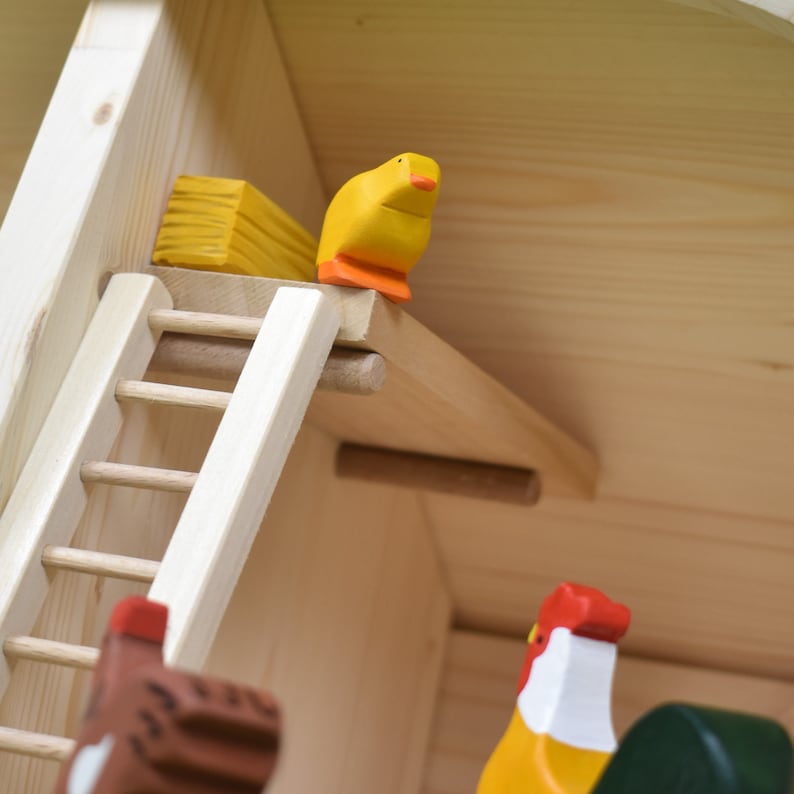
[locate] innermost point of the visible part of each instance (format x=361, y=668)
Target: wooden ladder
x=228, y=496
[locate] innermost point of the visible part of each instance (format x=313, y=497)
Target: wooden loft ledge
x=434, y=401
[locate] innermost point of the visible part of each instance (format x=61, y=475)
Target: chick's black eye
x=399, y=159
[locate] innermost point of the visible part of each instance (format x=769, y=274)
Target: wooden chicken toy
x=152, y=729
x=560, y=736
x=378, y=225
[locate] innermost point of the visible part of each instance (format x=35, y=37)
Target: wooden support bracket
x=434, y=402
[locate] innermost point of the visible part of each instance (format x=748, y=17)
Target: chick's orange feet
x=346, y=272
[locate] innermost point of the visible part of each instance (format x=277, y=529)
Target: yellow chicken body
x=525, y=762
x=378, y=225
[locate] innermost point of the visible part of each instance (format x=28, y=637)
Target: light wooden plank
x=240, y=472
x=164, y=79
x=610, y=240
x=49, y=499
x=477, y=695
x=36, y=649
x=436, y=402
x=45, y=313
x=691, y=578
x=396, y=686
x=217, y=293
x=35, y=36
x=352, y=616
x=181, y=118
x=119, y=521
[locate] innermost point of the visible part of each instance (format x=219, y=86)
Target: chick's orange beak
x=423, y=182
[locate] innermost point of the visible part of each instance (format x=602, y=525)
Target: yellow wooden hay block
x=228, y=226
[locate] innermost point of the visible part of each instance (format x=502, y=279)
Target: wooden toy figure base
x=345, y=272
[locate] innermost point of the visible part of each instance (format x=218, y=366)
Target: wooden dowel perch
x=348, y=371
x=443, y=475
x=35, y=745
x=137, y=476
x=117, y=566
x=38, y=650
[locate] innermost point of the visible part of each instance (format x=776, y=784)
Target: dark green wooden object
x=681, y=749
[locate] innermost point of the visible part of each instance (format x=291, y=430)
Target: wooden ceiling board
x=614, y=242
x=705, y=589
x=613, y=239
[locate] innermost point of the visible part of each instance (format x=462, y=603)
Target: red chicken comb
x=138, y=617
x=587, y=612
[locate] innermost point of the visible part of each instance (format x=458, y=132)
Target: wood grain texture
x=441, y=475
x=612, y=240
x=776, y=16
x=124, y=521
x=704, y=589
x=100, y=563
x=45, y=313
x=434, y=400
x=35, y=745
x=134, y=476
x=152, y=393
x=49, y=500
x=477, y=696
x=179, y=117
x=241, y=470
x=143, y=97
x=348, y=371
x=35, y=37
x=43, y=651
x=351, y=617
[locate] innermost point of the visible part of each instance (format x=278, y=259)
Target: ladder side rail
x=226, y=506
x=85, y=418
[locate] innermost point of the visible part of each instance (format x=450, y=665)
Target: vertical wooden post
x=227, y=504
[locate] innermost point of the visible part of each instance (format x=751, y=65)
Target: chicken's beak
x=423, y=182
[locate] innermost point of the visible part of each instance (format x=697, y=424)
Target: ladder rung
x=36, y=649
x=167, y=394
x=97, y=562
x=36, y=745
x=203, y=323
x=137, y=476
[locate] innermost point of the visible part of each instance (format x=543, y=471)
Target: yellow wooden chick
x=378, y=225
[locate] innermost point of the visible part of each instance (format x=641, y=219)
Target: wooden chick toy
x=378, y=225
x=560, y=736
x=152, y=729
